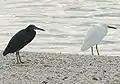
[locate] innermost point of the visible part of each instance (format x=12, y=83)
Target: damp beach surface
x=59, y=68
x=66, y=23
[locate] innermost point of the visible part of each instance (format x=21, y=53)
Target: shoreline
x=59, y=68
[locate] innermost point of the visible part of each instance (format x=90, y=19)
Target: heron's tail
x=85, y=47
x=5, y=53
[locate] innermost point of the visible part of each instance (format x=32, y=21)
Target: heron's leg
x=92, y=50
x=97, y=49
x=17, y=57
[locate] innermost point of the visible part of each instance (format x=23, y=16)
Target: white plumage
x=94, y=36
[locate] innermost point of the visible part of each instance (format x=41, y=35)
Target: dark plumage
x=20, y=39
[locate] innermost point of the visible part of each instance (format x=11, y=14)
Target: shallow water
x=65, y=21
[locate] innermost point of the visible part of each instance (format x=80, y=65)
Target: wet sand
x=58, y=68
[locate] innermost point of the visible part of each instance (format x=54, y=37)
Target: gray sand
x=57, y=68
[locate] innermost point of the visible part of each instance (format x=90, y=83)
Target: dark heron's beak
x=112, y=27
x=39, y=29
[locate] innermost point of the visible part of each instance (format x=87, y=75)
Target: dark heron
x=21, y=39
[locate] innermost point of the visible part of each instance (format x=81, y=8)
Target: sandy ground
x=57, y=68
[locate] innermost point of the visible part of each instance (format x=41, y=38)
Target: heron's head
x=33, y=27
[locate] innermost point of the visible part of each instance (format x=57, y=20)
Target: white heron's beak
x=112, y=27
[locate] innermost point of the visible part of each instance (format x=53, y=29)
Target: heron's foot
x=22, y=62
x=18, y=62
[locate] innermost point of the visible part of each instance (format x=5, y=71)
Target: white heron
x=94, y=37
